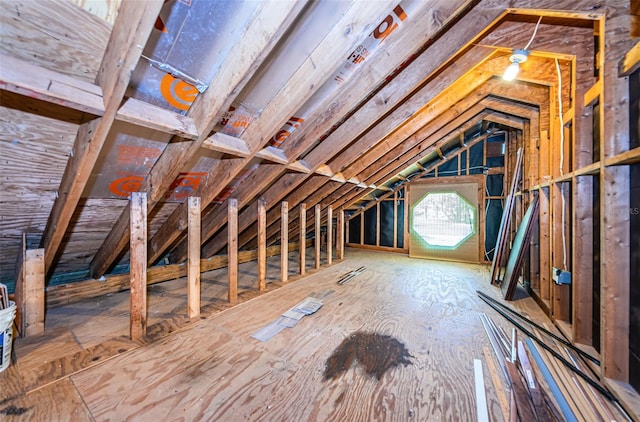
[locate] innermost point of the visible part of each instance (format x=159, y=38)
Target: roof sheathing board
x=32, y=30
x=31, y=167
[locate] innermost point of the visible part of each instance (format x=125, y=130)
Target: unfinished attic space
x=330, y=210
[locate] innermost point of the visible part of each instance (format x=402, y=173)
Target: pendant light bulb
x=518, y=56
x=511, y=72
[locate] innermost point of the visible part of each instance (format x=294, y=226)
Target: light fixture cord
x=535, y=31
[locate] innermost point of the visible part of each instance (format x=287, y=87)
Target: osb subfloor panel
x=212, y=369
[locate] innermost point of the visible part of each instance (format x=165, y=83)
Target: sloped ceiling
x=431, y=70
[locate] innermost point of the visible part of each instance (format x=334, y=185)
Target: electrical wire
x=535, y=31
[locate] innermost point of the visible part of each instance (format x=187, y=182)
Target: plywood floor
x=213, y=369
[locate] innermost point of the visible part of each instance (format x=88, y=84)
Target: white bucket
x=6, y=334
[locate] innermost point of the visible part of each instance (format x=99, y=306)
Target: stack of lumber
x=544, y=377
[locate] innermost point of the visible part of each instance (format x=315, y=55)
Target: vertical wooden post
x=193, y=257
x=329, y=235
x=303, y=238
x=560, y=294
x=615, y=236
x=545, y=244
x=138, y=265
x=340, y=228
x=362, y=228
x=34, y=292
x=232, y=249
x=346, y=231
x=262, y=244
x=378, y=224
x=29, y=290
x=284, y=242
x=395, y=219
x=405, y=235
x=317, y=235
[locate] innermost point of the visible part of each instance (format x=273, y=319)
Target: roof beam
x=390, y=94
x=408, y=181
x=129, y=35
x=314, y=71
x=491, y=68
x=33, y=81
x=451, y=112
x=407, y=156
x=379, y=67
x=260, y=36
x=405, y=152
x=227, y=144
x=42, y=84
x=447, y=125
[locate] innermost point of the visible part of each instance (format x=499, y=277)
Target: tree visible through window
x=444, y=219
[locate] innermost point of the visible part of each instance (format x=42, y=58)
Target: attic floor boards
x=213, y=370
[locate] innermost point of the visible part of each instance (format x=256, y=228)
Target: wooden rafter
x=129, y=34
x=405, y=152
x=340, y=195
x=315, y=160
x=295, y=147
x=492, y=69
x=270, y=121
x=261, y=35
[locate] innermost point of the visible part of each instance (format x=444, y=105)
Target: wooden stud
x=302, y=248
x=406, y=219
x=615, y=196
x=317, y=235
x=232, y=248
x=340, y=232
x=395, y=218
x=329, y=235
x=560, y=245
x=29, y=290
x=138, y=265
x=523, y=401
x=249, y=189
x=544, y=240
x=193, y=259
x=378, y=223
x=346, y=231
x=284, y=242
x=262, y=244
x=362, y=228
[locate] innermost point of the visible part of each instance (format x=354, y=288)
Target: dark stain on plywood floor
x=376, y=353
